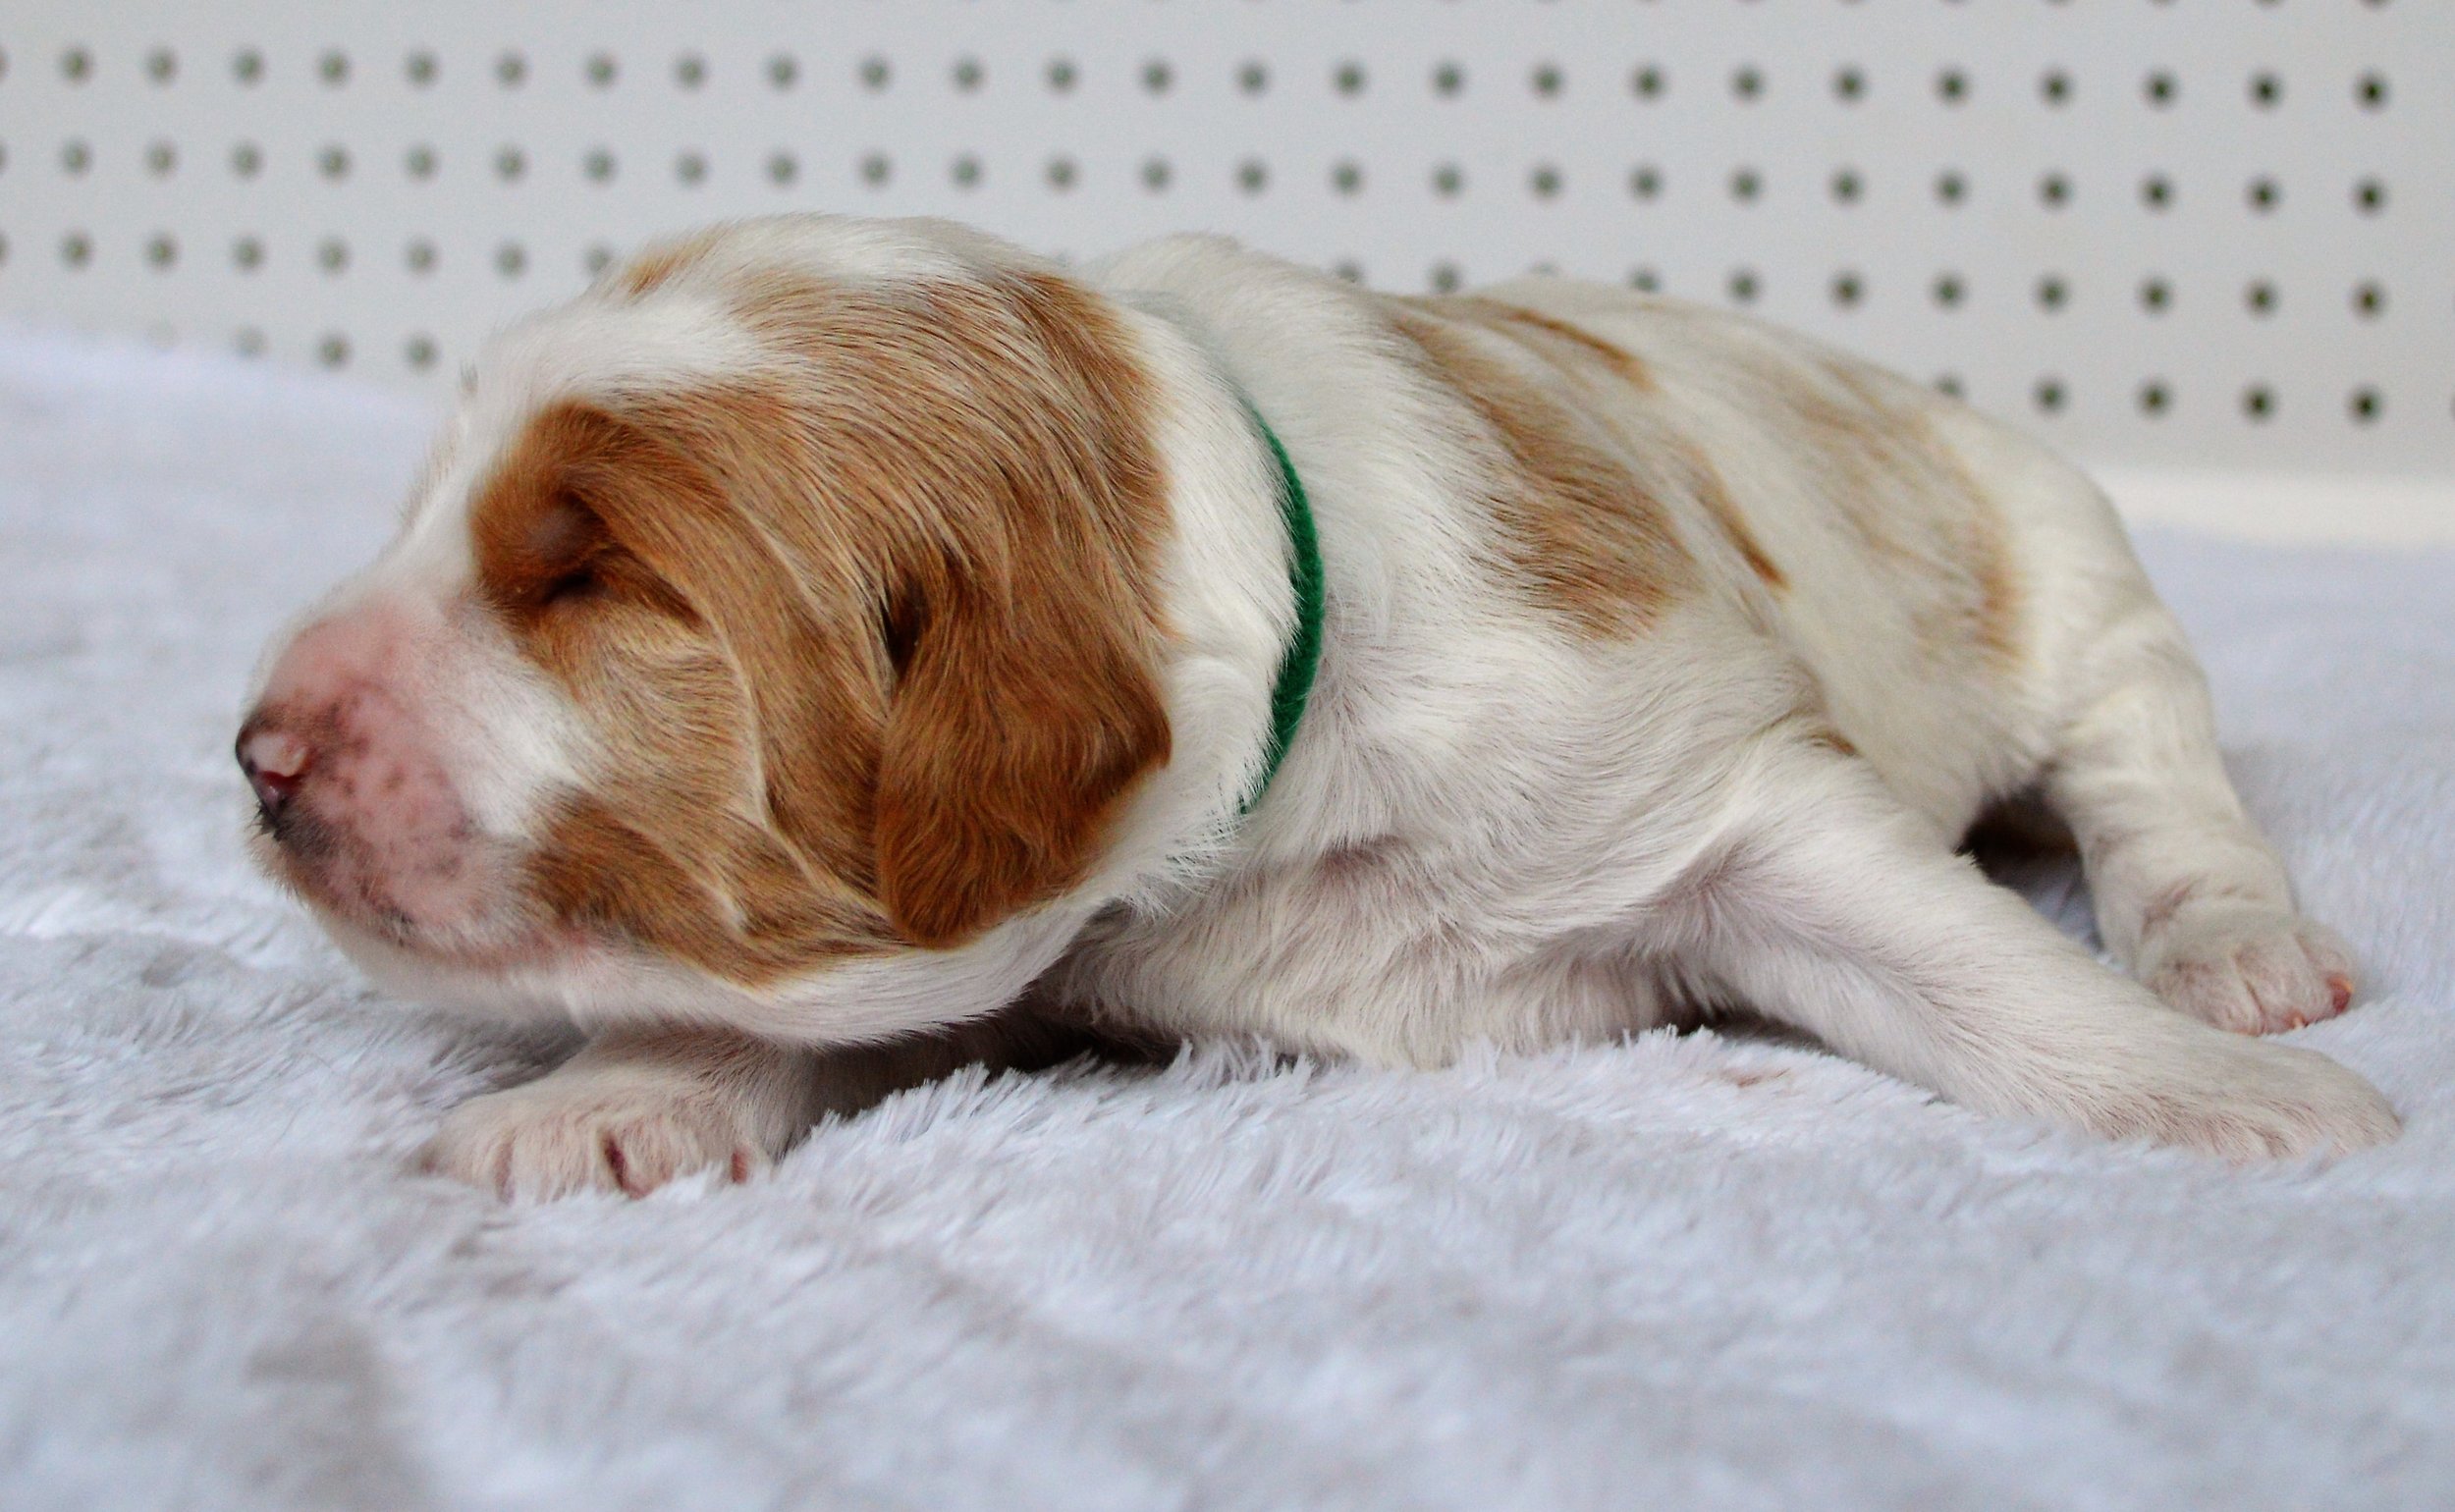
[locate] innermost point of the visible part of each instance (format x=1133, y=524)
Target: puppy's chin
x=531, y=981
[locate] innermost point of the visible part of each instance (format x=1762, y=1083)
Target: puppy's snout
x=276, y=764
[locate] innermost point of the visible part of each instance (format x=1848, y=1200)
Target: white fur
x=1492, y=830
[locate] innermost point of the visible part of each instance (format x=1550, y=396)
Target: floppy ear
x=1024, y=712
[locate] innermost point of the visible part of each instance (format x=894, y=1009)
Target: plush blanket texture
x=1702, y=1271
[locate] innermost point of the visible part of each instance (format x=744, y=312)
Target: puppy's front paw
x=2250, y=969
x=2244, y=1101
x=577, y=1132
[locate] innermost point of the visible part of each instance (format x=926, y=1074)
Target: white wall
x=385, y=183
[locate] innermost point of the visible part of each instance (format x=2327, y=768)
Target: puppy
x=829, y=649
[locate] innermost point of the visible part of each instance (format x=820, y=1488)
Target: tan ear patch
x=1581, y=535
x=870, y=647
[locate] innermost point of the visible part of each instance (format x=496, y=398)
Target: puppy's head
x=784, y=604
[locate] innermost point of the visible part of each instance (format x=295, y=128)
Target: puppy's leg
x=2189, y=895
x=637, y=1107
x=1827, y=905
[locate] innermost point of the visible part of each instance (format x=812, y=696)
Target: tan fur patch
x=1516, y=320
x=1581, y=535
x=1905, y=494
x=872, y=651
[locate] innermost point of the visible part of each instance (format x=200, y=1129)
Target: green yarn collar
x=1289, y=695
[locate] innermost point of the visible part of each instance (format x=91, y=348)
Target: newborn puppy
x=829, y=649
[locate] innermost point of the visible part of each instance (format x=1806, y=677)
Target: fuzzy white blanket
x=1695, y=1272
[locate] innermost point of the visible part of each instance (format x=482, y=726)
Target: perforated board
x=2162, y=231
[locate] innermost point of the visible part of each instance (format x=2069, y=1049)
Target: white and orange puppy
x=829, y=645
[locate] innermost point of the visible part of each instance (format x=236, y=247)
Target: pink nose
x=275, y=763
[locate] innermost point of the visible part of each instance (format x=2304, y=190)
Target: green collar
x=1302, y=658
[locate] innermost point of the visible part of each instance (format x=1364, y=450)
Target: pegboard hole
x=2160, y=89
x=2366, y=405
x=783, y=168
x=247, y=254
x=2258, y=403
x=246, y=66
x=419, y=162
x=1156, y=175
x=598, y=165
x=2155, y=398
x=1348, y=79
x=1448, y=181
x=510, y=164
x=1747, y=186
x=1252, y=77
x=1062, y=74
x=2053, y=294
x=333, y=163
x=1951, y=86
x=690, y=70
x=783, y=71
x=1252, y=176
x=1847, y=186
x=601, y=70
x=876, y=169
x=161, y=158
x=2157, y=295
x=246, y=160
x=1448, y=79
x=421, y=69
x=2263, y=194
x=1546, y=181
x=76, y=251
x=76, y=64
x=2370, y=299
x=163, y=251
x=2049, y=396
x=75, y=157
x=1157, y=78
x=510, y=260
x=965, y=172
x=332, y=254
x=691, y=169
x=1951, y=187
x=1061, y=173
x=968, y=75
x=1949, y=291
x=2370, y=196
x=2054, y=88
x=419, y=351
x=419, y=256
x=1744, y=286
x=2370, y=91
x=334, y=349
x=1645, y=182
x=2266, y=90
x=1649, y=81
x=1849, y=83
x=2157, y=192
x=161, y=65
x=2261, y=298
x=333, y=67
x=1747, y=83
x=1847, y=289
x=2054, y=191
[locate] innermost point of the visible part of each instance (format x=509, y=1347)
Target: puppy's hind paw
x=2250, y=969
x=2243, y=1100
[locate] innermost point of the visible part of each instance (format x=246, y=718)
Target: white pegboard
x=2167, y=232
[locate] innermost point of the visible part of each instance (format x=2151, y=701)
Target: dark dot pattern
x=2105, y=233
